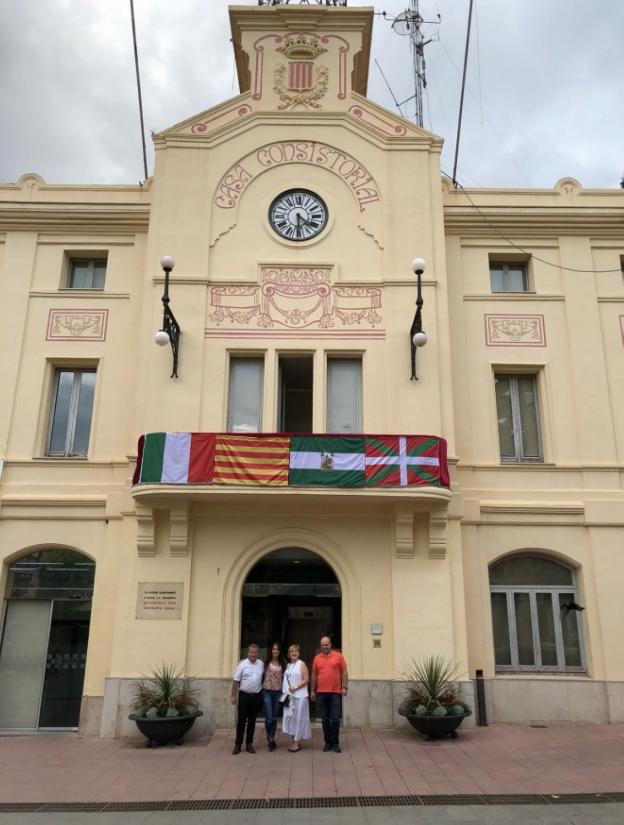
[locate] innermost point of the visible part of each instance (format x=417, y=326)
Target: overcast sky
x=544, y=98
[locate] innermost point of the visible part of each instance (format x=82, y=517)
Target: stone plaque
x=159, y=600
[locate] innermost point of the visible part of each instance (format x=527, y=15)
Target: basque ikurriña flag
x=405, y=460
x=327, y=460
x=252, y=459
x=177, y=458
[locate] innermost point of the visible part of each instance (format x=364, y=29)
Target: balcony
x=402, y=474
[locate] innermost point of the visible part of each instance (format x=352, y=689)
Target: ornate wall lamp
x=418, y=337
x=170, y=332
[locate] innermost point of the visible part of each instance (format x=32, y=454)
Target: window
x=295, y=394
x=344, y=395
x=87, y=273
x=508, y=277
x=70, y=414
x=245, y=395
x=518, y=419
x=534, y=626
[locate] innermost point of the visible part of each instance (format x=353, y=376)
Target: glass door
x=22, y=662
x=65, y=665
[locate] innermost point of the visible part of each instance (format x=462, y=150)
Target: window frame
x=505, y=265
x=532, y=590
x=72, y=415
x=516, y=417
x=91, y=260
x=240, y=357
x=337, y=358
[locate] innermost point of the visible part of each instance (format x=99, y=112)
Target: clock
x=298, y=215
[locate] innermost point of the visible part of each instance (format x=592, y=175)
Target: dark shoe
x=250, y=749
x=237, y=749
x=271, y=744
x=337, y=749
x=326, y=748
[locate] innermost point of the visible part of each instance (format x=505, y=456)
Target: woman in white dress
x=296, y=720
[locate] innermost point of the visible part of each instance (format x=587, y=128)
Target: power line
x=138, y=80
x=463, y=88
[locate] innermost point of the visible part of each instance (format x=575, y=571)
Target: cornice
x=65, y=217
x=599, y=222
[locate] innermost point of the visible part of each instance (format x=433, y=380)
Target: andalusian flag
x=177, y=458
x=252, y=459
x=405, y=460
x=327, y=460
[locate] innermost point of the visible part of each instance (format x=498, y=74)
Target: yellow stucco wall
x=571, y=506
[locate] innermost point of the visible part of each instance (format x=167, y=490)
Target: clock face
x=298, y=215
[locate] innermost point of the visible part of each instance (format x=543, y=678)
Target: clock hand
x=299, y=218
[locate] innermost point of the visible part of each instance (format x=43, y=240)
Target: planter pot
x=164, y=730
x=435, y=727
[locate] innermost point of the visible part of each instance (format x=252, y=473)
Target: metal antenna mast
x=409, y=24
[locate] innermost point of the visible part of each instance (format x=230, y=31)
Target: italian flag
x=327, y=460
x=405, y=460
x=178, y=458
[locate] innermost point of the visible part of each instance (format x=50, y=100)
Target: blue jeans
x=271, y=703
x=329, y=706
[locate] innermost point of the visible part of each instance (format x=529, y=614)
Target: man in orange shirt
x=330, y=682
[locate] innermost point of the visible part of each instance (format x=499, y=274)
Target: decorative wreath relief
x=304, y=85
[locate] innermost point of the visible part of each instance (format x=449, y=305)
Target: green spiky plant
x=164, y=693
x=431, y=690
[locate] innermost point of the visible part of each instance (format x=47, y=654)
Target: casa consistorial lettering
x=353, y=173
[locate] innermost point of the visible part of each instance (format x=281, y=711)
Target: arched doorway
x=291, y=595
x=43, y=646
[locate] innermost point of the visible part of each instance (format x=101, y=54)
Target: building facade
x=293, y=212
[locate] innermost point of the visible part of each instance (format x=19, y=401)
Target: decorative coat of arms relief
x=299, y=83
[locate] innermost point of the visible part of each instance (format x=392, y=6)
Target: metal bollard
x=482, y=712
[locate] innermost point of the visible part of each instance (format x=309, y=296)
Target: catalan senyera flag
x=252, y=459
x=300, y=75
x=177, y=458
x=406, y=460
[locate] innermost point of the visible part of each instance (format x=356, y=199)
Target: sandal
x=294, y=750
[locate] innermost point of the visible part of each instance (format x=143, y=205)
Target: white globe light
x=161, y=338
x=419, y=265
x=420, y=339
x=167, y=262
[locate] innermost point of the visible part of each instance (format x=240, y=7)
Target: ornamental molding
x=296, y=298
x=290, y=96
x=515, y=331
x=301, y=45
x=69, y=325
x=384, y=125
x=217, y=120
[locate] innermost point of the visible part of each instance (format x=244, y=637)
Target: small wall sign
x=376, y=629
x=159, y=600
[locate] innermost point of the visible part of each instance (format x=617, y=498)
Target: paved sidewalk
x=448, y=815
x=501, y=759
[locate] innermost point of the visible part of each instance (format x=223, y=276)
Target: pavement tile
x=499, y=759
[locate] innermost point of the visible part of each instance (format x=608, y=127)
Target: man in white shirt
x=247, y=692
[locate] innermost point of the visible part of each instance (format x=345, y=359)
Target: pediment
x=212, y=120
x=382, y=121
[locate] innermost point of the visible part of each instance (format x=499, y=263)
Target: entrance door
x=291, y=596
x=43, y=645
